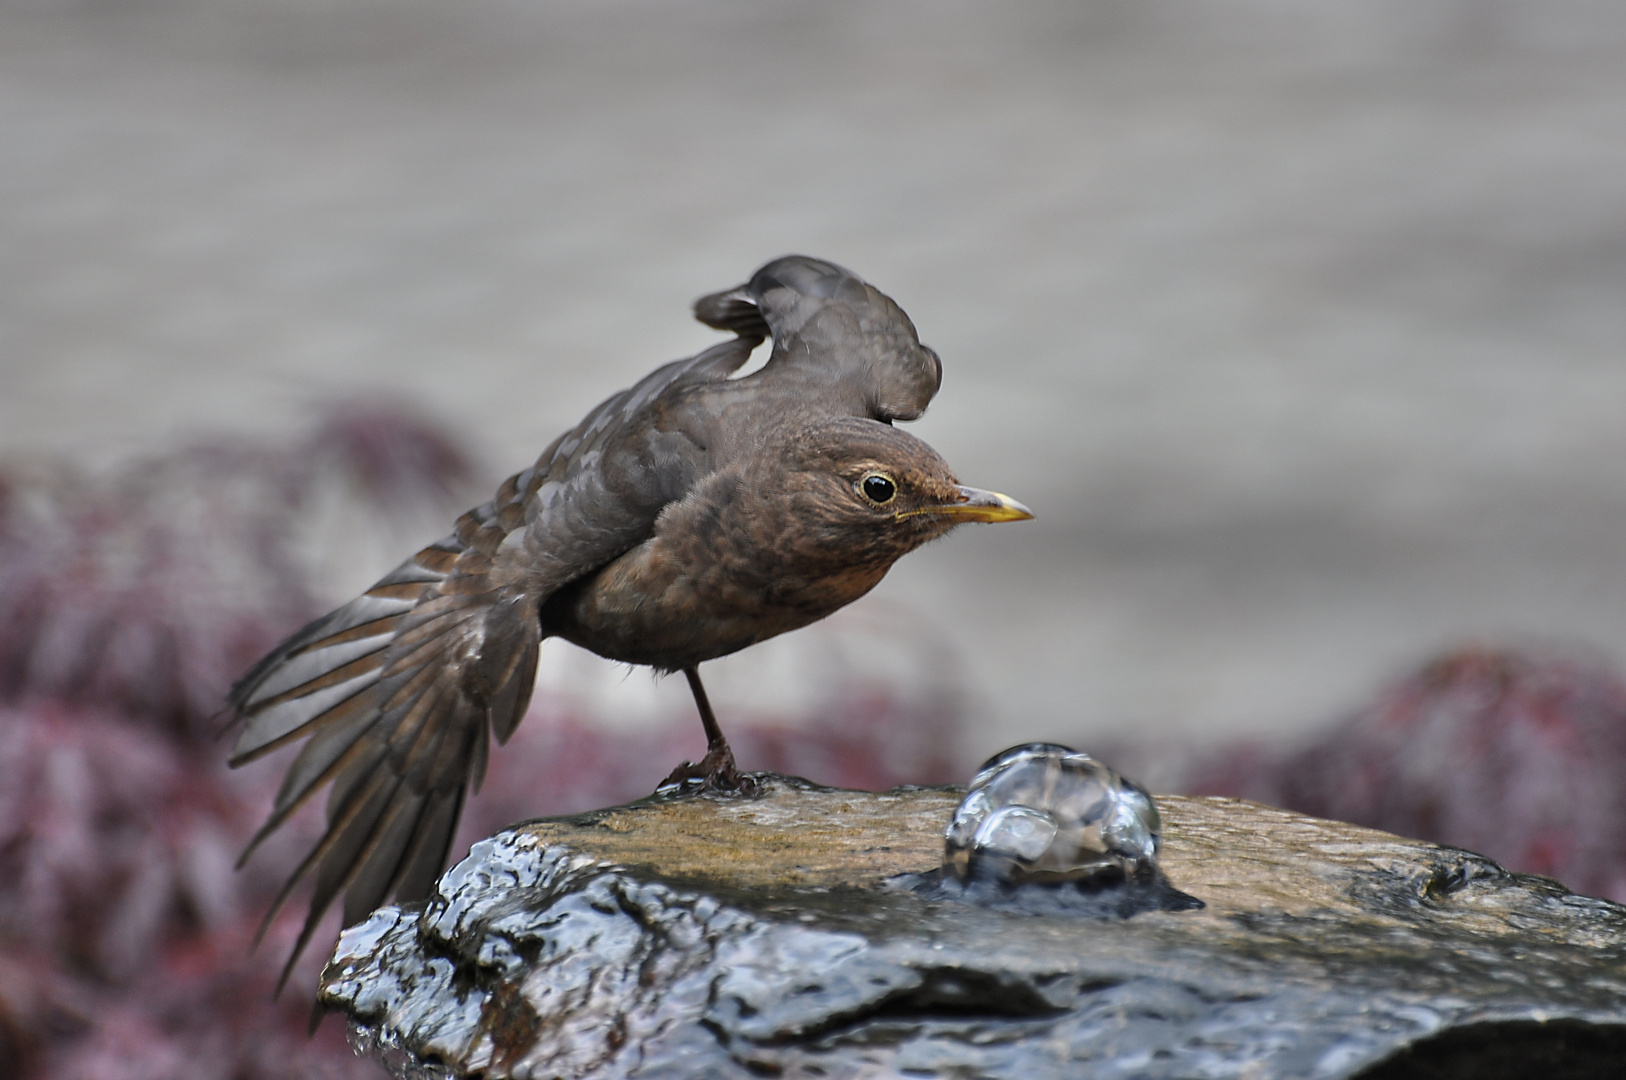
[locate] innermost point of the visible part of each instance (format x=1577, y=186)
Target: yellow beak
x=978, y=505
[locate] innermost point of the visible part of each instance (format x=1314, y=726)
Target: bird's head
x=862, y=492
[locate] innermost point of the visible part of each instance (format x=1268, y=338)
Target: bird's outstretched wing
x=399, y=691
x=834, y=334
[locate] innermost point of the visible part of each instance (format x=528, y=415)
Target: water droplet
x=1045, y=812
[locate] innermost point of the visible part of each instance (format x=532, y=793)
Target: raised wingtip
x=739, y=309
x=732, y=309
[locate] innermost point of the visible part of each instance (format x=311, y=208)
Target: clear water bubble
x=1044, y=812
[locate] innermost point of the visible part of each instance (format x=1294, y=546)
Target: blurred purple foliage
x=128, y=604
x=150, y=590
x=394, y=461
x=1512, y=755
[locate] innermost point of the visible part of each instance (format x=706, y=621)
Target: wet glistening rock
x=724, y=937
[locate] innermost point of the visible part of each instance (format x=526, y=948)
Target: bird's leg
x=716, y=771
x=715, y=742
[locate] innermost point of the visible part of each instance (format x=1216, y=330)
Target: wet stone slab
x=726, y=937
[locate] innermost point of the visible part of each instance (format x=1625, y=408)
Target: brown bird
x=684, y=519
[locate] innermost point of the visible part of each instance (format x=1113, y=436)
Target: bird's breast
x=662, y=606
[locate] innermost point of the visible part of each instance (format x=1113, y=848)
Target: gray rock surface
x=727, y=937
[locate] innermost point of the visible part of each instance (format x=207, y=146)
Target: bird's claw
x=714, y=772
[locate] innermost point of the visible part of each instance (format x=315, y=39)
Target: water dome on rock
x=1045, y=813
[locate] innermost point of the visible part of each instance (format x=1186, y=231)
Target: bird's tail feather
x=397, y=693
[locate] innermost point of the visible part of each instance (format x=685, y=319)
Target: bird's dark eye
x=878, y=488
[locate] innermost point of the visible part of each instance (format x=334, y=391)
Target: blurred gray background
x=1301, y=325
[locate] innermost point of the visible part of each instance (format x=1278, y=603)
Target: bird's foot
x=714, y=772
